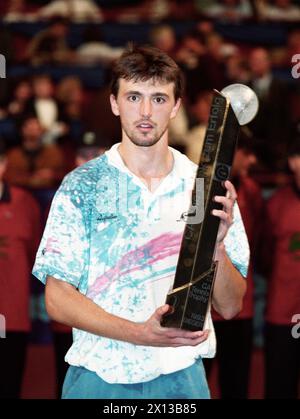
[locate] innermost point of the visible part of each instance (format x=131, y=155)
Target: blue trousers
x=189, y=383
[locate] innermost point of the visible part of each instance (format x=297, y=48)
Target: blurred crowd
x=53, y=118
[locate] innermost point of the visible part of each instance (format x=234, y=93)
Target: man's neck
x=150, y=164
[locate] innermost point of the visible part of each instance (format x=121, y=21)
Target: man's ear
x=114, y=105
x=175, y=108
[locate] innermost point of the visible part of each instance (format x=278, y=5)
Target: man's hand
x=226, y=214
x=151, y=333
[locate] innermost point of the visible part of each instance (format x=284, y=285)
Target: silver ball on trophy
x=243, y=101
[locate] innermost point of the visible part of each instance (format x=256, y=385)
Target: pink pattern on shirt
x=161, y=247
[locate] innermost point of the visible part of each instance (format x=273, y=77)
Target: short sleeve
x=236, y=243
x=64, y=246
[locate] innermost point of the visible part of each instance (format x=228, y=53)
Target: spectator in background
x=280, y=10
x=50, y=46
x=44, y=105
x=163, y=37
x=147, y=10
x=235, y=337
x=15, y=11
x=200, y=56
x=19, y=237
x=194, y=139
x=76, y=10
x=282, y=56
x=272, y=123
x=282, y=265
x=70, y=97
x=94, y=50
x=22, y=93
x=32, y=164
x=237, y=70
x=225, y=10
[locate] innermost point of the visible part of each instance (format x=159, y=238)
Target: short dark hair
x=142, y=63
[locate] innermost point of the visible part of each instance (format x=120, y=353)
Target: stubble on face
x=143, y=139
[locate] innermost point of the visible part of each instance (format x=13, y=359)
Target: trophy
x=189, y=299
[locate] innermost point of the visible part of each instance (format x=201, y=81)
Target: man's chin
x=144, y=142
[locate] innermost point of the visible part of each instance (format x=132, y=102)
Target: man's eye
x=159, y=99
x=133, y=98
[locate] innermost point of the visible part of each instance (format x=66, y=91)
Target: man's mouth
x=145, y=126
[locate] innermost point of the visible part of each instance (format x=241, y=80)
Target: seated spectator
x=164, y=38
x=191, y=49
x=146, y=10
x=201, y=56
x=237, y=70
x=282, y=56
x=22, y=93
x=32, y=164
x=272, y=124
x=17, y=11
x=75, y=10
x=94, y=51
x=50, y=46
x=226, y=10
x=280, y=10
x=194, y=139
x=71, y=100
x=44, y=105
x=19, y=238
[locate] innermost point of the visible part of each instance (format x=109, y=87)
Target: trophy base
x=189, y=304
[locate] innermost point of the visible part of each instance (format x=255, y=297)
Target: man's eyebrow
x=133, y=92
x=136, y=92
x=160, y=94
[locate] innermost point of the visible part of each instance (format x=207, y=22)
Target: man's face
x=145, y=109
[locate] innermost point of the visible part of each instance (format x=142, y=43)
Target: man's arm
x=229, y=287
x=68, y=306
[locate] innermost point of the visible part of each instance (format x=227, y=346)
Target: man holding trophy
x=122, y=224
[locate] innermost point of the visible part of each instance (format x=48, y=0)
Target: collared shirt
x=118, y=243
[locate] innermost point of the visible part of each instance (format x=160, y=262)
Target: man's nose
x=146, y=108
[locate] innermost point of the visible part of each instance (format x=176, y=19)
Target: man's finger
x=160, y=312
x=223, y=215
x=231, y=192
x=227, y=203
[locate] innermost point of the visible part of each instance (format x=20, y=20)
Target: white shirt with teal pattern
x=118, y=243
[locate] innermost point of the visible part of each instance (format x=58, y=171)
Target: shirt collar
x=183, y=168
